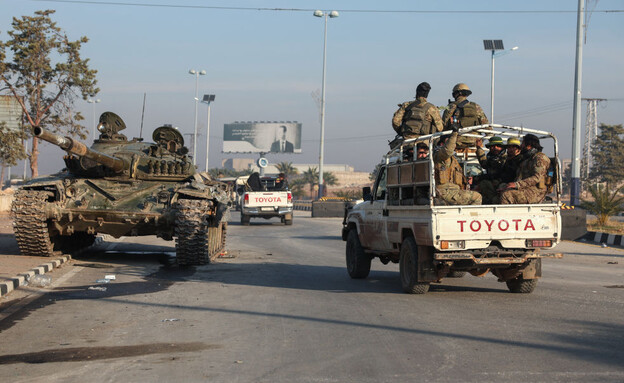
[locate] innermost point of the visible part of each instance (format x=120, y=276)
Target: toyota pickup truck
x=267, y=201
x=401, y=221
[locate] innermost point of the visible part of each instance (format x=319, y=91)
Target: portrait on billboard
x=281, y=144
x=262, y=137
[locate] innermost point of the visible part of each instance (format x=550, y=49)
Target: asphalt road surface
x=283, y=309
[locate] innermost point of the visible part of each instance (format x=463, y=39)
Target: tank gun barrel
x=78, y=148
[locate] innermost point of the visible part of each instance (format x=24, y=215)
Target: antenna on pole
x=142, y=116
x=591, y=132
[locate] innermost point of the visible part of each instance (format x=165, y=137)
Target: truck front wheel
x=408, y=268
x=521, y=286
x=358, y=262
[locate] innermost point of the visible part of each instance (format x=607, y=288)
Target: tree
x=608, y=155
x=287, y=168
x=310, y=177
x=11, y=147
x=329, y=179
x=296, y=187
x=605, y=203
x=46, y=74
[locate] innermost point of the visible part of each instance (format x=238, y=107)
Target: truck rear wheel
x=288, y=221
x=245, y=219
x=408, y=268
x=521, y=286
x=358, y=262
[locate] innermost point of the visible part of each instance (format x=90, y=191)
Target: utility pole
x=575, y=185
x=591, y=132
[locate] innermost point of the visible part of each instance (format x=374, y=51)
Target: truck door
x=374, y=234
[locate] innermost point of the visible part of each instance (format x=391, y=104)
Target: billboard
x=262, y=137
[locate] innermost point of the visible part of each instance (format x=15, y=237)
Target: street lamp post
x=494, y=46
x=332, y=14
x=196, y=73
x=93, y=101
x=208, y=98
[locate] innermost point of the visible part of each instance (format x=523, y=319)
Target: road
x=283, y=309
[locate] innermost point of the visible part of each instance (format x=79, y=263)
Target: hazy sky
x=266, y=65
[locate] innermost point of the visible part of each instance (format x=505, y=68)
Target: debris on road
x=39, y=280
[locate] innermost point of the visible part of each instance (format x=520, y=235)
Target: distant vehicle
x=401, y=222
x=266, y=200
x=122, y=188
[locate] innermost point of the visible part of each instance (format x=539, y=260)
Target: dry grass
x=612, y=226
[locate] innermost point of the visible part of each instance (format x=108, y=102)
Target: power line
x=184, y=6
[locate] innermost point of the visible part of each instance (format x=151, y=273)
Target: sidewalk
x=16, y=268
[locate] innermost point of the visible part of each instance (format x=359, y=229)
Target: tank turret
x=78, y=148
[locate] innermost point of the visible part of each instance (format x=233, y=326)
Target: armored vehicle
x=122, y=187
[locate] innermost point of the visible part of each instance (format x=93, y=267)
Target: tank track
x=30, y=224
x=199, y=240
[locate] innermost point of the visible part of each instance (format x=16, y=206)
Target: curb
x=609, y=239
x=20, y=279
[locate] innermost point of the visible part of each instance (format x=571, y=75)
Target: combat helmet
x=462, y=88
x=495, y=141
x=513, y=141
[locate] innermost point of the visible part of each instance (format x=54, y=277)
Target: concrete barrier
x=573, y=224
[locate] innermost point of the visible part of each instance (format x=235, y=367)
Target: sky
x=266, y=65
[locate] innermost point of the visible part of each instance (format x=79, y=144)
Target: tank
x=122, y=187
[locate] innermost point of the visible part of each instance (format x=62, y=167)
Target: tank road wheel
x=408, y=268
x=245, y=219
x=358, y=262
x=30, y=223
x=192, y=244
x=521, y=286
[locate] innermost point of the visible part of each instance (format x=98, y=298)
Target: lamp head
x=318, y=13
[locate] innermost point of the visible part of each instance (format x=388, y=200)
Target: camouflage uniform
x=417, y=118
x=530, y=180
x=449, y=177
x=465, y=113
x=509, y=170
x=493, y=164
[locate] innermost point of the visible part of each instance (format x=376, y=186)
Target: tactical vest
x=414, y=120
x=466, y=113
x=452, y=174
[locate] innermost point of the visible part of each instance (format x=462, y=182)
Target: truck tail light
x=289, y=197
x=539, y=243
x=246, y=198
x=445, y=245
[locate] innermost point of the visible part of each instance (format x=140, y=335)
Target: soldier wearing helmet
x=508, y=173
x=417, y=118
x=463, y=113
x=493, y=164
x=529, y=185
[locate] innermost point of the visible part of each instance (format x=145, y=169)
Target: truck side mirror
x=367, y=194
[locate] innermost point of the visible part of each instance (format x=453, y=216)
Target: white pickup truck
x=399, y=221
x=271, y=201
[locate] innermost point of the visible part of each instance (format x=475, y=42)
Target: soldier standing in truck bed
x=530, y=183
x=417, y=118
x=462, y=113
x=451, y=183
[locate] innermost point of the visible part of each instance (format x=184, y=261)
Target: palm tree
x=605, y=203
x=329, y=179
x=310, y=177
x=287, y=168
